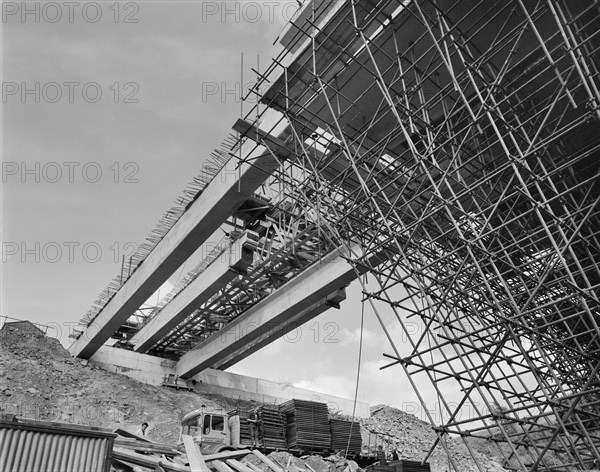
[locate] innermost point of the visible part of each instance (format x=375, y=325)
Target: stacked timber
x=307, y=425
x=244, y=425
x=272, y=430
x=137, y=452
x=345, y=434
x=192, y=461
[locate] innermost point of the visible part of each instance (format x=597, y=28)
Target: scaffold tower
x=452, y=148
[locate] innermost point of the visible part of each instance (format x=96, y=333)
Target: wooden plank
x=124, y=440
x=237, y=465
x=221, y=466
x=194, y=455
x=145, y=447
x=132, y=466
x=127, y=434
x=255, y=468
x=150, y=450
x=274, y=467
x=147, y=461
x=227, y=454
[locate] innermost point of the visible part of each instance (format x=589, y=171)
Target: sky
x=109, y=109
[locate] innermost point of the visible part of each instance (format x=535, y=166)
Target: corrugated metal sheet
x=35, y=446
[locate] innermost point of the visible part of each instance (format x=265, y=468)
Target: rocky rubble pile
x=306, y=463
x=413, y=439
x=40, y=380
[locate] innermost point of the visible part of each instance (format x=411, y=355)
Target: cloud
x=376, y=386
x=375, y=340
x=159, y=294
x=275, y=348
x=352, y=337
x=337, y=385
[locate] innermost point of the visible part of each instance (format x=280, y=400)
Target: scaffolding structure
x=454, y=147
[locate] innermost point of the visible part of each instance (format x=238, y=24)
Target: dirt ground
x=40, y=380
x=413, y=439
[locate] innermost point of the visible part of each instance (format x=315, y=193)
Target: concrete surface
x=217, y=275
x=153, y=370
x=226, y=192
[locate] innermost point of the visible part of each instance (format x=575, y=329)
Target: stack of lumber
x=307, y=425
x=244, y=425
x=345, y=434
x=234, y=465
x=140, y=454
x=272, y=426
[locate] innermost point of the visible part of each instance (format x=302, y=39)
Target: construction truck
x=298, y=426
x=213, y=431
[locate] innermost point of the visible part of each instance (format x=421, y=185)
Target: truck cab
x=209, y=429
